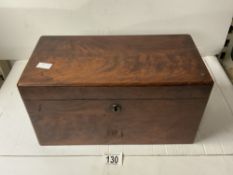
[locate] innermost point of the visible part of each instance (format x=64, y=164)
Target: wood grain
x=93, y=122
x=116, y=61
x=159, y=92
x=159, y=83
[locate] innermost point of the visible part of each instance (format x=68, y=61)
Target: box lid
x=150, y=60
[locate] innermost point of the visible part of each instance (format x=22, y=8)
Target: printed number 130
x=113, y=159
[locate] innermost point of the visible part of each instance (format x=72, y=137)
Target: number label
x=113, y=159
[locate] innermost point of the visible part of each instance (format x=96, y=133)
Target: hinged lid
x=150, y=60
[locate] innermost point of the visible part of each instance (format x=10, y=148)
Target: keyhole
x=116, y=108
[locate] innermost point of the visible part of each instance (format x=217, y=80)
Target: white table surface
x=211, y=153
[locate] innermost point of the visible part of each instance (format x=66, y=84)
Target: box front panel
x=70, y=122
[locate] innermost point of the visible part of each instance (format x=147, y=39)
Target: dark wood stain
x=139, y=122
x=160, y=82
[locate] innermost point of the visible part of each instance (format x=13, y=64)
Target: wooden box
x=115, y=89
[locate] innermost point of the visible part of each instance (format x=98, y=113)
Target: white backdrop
x=22, y=22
